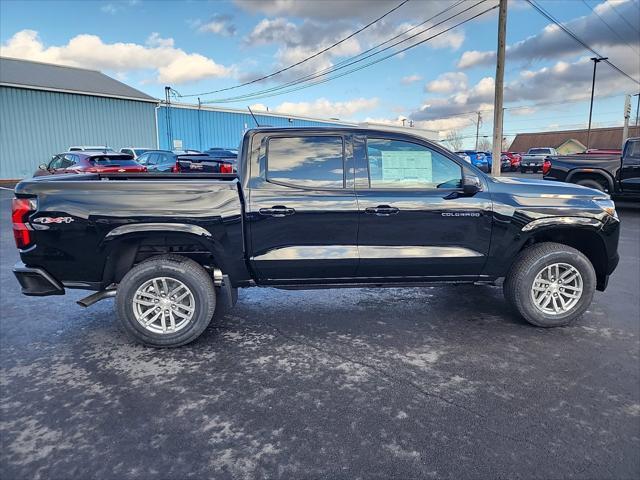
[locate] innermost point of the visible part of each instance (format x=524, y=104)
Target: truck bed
x=83, y=220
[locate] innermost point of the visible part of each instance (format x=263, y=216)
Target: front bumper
x=36, y=281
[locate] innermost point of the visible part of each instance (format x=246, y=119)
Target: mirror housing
x=43, y=166
x=471, y=185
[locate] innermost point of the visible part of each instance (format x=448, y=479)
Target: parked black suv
x=312, y=208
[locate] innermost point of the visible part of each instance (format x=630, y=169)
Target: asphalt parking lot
x=440, y=382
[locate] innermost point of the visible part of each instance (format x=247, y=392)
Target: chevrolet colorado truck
x=618, y=175
x=311, y=208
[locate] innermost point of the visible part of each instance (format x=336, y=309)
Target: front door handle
x=277, y=211
x=382, y=210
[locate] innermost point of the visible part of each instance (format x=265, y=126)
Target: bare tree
x=453, y=139
x=484, y=145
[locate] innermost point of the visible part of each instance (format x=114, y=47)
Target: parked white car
x=135, y=152
x=91, y=148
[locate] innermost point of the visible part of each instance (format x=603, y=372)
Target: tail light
x=175, y=168
x=20, y=210
x=226, y=168
x=546, y=166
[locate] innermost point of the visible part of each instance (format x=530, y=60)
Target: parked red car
x=89, y=162
x=514, y=161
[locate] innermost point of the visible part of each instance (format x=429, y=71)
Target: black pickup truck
x=311, y=208
x=617, y=175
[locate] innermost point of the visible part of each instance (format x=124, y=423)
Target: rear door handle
x=277, y=211
x=382, y=210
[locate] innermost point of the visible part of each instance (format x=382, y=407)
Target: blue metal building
x=190, y=127
x=45, y=109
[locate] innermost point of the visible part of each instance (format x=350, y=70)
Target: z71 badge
x=48, y=220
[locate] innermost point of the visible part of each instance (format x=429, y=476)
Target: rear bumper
x=36, y=281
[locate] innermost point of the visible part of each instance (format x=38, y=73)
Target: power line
x=623, y=19
x=565, y=29
x=280, y=89
x=611, y=29
x=305, y=59
x=341, y=65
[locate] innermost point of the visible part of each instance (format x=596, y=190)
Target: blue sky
x=200, y=46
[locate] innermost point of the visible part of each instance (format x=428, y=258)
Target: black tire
x=519, y=281
x=592, y=183
x=523, y=170
x=180, y=268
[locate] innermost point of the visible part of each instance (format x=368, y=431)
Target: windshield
x=539, y=151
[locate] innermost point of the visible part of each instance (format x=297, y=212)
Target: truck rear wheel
x=167, y=301
x=550, y=284
x=592, y=183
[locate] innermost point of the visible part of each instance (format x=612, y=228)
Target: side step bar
x=96, y=297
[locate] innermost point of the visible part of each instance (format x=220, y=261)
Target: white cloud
x=171, y=64
x=447, y=82
x=552, y=42
x=523, y=112
x=114, y=7
x=323, y=108
x=302, y=29
x=110, y=8
x=326, y=10
x=218, y=25
x=409, y=79
x=560, y=82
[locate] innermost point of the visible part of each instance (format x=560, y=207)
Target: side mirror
x=471, y=185
x=43, y=166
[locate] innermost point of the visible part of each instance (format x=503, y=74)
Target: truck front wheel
x=167, y=301
x=550, y=284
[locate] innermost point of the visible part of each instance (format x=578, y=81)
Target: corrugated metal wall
x=203, y=129
x=36, y=124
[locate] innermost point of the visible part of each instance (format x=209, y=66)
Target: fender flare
x=562, y=222
x=594, y=171
x=157, y=227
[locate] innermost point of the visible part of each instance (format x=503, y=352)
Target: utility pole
x=498, y=112
x=478, y=122
x=627, y=114
x=595, y=60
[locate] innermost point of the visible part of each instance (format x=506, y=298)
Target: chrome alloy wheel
x=557, y=289
x=163, y=305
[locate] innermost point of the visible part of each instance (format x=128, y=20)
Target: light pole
x=595, y=60
x=638, y=107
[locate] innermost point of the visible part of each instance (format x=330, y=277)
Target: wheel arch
x=584, y=238
x=134, y=244
x=593, y=173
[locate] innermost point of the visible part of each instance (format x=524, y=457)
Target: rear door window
x=308, y=161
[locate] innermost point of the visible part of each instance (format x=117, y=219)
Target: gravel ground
x=440, y=382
